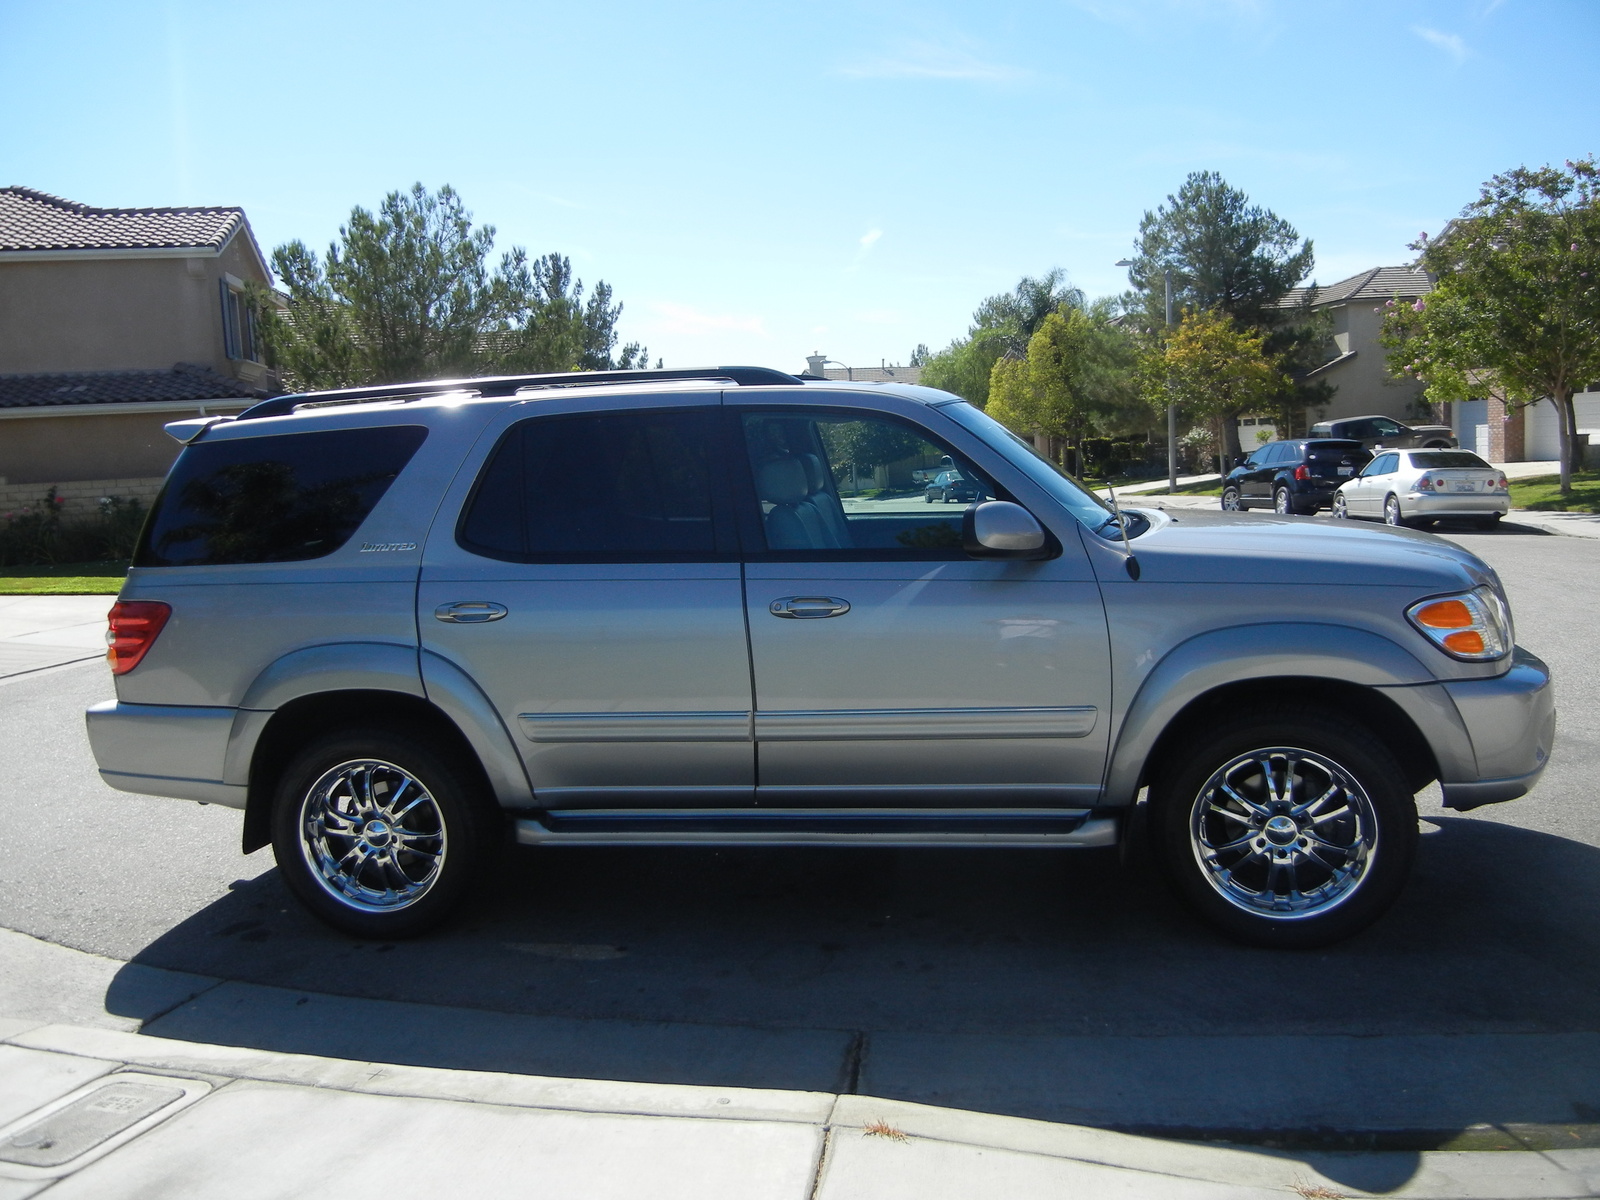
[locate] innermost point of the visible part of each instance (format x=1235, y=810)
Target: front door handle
x=807, y=607
x=470, y=612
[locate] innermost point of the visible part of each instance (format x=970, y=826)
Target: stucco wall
x=71, y=449
x=1364, y=384
x=112, y=314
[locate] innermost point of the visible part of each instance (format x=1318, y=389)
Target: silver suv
x=714, y=608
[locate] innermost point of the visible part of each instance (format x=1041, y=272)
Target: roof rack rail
x=510, y=385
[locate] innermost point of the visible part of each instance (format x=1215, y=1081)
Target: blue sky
x=759, y=181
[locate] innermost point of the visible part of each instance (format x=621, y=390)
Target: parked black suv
x=1297, y=476
x=1378, y=430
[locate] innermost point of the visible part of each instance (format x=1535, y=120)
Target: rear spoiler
x=184, y=432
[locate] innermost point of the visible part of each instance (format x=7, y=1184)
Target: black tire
x=337, y=799
x=1249, y=864
x=1281, y=501
x=928, y=496
x=1341, y=507
x=1391, y=512
x=1232, y=501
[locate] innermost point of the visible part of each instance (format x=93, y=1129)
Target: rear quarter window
x=279, y=498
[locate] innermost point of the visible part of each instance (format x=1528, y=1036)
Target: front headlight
x=1474, y=626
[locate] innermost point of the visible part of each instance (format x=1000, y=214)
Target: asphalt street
x=936, y=975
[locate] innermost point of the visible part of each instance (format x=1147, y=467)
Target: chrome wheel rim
x=372, y=835
x=1230, y=500
x=1391, y=511
x=1281, y=502
x=1283, y=833
x=1339, y=508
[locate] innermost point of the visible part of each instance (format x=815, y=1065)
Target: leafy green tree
x=1214, y=371
x=1227, y=255
x=1516, y=305
x=1078, y=378
x=407, y=293
x=1001, y=325
x=920, y=356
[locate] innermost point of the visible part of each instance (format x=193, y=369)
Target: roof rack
x=510, y=385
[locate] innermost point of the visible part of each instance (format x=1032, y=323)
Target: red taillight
x=1302, y=472
x=1500, y=482
x=134, y=625
x=1425, y=484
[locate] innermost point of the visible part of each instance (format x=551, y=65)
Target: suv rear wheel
x=380, y=831
x=1281, y=501
x=1285, y=829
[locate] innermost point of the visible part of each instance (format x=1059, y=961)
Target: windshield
x=1079, y=500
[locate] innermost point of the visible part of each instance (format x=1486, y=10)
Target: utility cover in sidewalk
x=87, y=1122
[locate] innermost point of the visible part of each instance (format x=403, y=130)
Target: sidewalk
x=89, y=1108
x=39, y=632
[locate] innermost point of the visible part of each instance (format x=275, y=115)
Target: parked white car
x=1418, y=487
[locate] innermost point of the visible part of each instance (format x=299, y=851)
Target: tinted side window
x=281, y=498
x=617, y=487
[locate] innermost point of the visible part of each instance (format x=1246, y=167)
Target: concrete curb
x=836, y=1145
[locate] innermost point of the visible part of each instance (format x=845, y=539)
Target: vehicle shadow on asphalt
x=1053, y=985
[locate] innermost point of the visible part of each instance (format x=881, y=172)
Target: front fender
x=1230, y=656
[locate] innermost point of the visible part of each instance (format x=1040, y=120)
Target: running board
x=1079, y=828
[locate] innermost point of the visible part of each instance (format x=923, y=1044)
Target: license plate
x=1347, y=470
x=1463, y=485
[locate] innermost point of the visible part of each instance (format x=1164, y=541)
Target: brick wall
x=1507, y=434
x=83, y=497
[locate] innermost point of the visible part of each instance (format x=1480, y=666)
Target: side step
x=1081, y=827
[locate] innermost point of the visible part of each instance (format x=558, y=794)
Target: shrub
x=41, y=534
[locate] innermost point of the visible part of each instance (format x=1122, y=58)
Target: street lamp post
x=1172, y=409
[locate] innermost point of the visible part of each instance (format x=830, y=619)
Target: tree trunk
x=1575, y=448
x=1567, y=422
x=1230, y=441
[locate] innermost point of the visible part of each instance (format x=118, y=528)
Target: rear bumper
x=1456, y=504
x=164, y=750
x=1511, y=721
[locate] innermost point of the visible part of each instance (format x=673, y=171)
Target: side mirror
x=1000, y=529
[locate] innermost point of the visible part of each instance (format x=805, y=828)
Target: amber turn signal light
x=1445, y=614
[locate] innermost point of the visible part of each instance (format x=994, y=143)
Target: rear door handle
x=807, y=607
x=470, y=612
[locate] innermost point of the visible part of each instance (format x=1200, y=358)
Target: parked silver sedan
x=1418, y=487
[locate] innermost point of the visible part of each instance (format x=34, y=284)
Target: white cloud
x=1448, y=42
x=931, y=60
x=681, y=320
x=869, y=239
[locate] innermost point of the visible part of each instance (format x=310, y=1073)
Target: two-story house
x=114, y=321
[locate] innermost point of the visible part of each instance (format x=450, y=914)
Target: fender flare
x=452, y=691
x=1227, y=656
x=379, y=667
x=335, y=667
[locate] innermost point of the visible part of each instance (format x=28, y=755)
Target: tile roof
x=1378, y=283
x=31, y=220
x=182, y=382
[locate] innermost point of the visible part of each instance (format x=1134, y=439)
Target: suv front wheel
x=380, y=831
x=1288, y=829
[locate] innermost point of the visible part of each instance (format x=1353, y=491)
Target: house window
x=239, y=338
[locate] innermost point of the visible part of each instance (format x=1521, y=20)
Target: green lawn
x=64, y=579
x=1542, y=493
